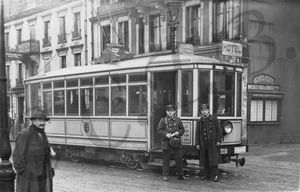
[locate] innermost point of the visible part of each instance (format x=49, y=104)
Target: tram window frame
x=89, y=104
x=72, y=106
x=118, y=78
x=35, y=96
x=72, y=83
x=118, y=102
x=140, y=77
x=203, y=87
x=141, y=106
x=223, y=94
x=59, y=109
x=102, y=80
x=187, y=93
x=102, y=109
x=263, y=111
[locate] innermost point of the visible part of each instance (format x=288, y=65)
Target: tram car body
x=111, y=111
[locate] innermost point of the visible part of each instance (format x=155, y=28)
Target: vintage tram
x=110, y=111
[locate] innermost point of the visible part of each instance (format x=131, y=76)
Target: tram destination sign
x=232, y=49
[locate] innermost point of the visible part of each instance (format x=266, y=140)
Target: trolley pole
x=7, y=175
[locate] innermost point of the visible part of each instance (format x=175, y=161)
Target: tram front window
x=223, y=91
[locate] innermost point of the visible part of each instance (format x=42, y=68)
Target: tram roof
x=142, y=62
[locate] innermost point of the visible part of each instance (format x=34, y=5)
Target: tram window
x=118, y=100
x=47, y=85
x=72, y=102
x=187, y=93
x=118, y=78
x=86, y=102
x=59, y=84
x=72, y=83
x=203, y=86
x=101, y=101
x=223, y=91
x=35, y=95
x=138, y=78
x=59, y=103
x=239, y=95
x=47, y=96
x=138, y=100
x=86, y=82
x=101, y=80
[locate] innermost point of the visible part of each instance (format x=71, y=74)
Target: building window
x=63, y=61
x=77, y=26
x=224, y=16
x=6, y=40
x=19, y=36
x=105, y=36
x=32, y=32
x=155, y=33
x=77, y=59
x=264, y=110
x=47, y=65
x=46, y=40
x=141, y=36
x=193, y=25
x=123, y=34
x=62, y=30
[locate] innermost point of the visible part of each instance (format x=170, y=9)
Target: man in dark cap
x=31, y=157
x=171, y=128
x=208, y=139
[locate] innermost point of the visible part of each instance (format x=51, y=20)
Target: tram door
x=163, y=92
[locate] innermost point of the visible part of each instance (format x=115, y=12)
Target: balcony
x=113, y=8
x=46, y=41
x=62, y=38
x=19, y=88
x=29, y=46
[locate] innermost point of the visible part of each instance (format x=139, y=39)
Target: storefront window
x=264, y=110
x=118, y=100
x=223, y=91
x=187, y=93
x=86, y=101
x=138, y=100
x=59, y=103
x=101, y=101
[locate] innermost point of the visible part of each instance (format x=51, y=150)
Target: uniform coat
x=162, y=130
x=214, y=135
x=31, y=160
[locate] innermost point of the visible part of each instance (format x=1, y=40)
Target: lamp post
x=173, y=8
x=7, y=175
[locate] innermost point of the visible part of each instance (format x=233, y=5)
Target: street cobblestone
x=267, y=168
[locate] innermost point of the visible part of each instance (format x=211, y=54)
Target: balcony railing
x=62, y=38
x=29, y=46
x=47, y=41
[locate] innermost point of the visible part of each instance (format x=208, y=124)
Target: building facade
x=58, y=34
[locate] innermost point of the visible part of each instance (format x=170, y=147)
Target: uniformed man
x=208, y=139
x=168, y=127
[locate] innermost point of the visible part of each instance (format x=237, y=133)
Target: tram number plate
x=241, y=149
x=224, y=151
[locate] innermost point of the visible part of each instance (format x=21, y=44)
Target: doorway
x=163, y=92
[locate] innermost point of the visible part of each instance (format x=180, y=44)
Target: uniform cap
x=170, y=107
x=204, y=106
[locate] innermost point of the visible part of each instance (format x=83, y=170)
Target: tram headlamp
x=227, y=127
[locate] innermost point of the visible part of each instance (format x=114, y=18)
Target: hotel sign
x=232, y=49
